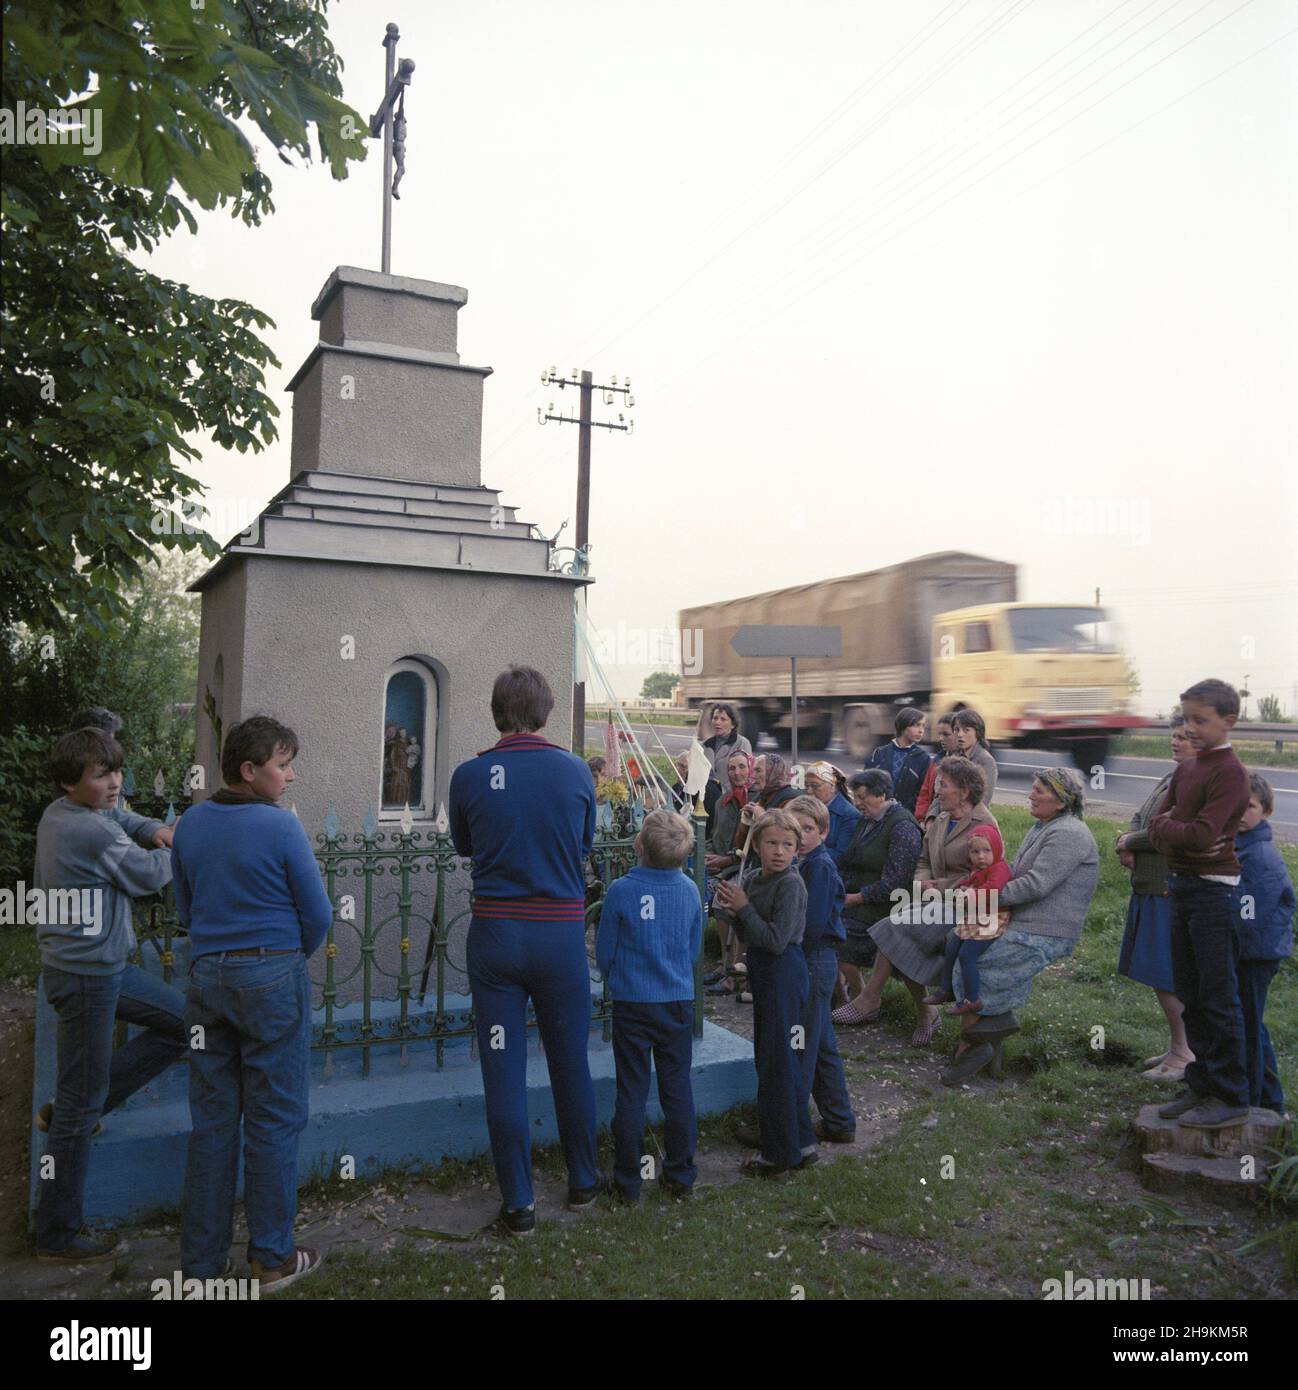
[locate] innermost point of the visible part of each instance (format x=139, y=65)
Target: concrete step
x=431, y=491
x=346, y=515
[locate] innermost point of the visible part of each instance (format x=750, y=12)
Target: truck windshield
x=1062, y=630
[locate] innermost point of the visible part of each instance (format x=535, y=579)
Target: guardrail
x=1279, y=734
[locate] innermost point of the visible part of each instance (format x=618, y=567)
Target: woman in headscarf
x=725, y=740
x=1146, y=953
x=828, y=785
x=1055, y=873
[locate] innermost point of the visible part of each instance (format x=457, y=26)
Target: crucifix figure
x=390, y=118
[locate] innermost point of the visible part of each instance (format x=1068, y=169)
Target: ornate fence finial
x=407, y=821
x=170, y=817
x=370, y=824
x=159, y=784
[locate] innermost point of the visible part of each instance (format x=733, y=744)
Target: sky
x=1013, y=277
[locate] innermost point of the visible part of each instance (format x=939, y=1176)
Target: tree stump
x=1215, y=1163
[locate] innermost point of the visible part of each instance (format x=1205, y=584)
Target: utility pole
x=584, y=381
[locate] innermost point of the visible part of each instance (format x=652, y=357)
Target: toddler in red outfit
x=981, y=923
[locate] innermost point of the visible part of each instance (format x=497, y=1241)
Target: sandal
x=965, y=1006
x=1150, y=1062
x=1163, y=1072
x=923, y=1035
x=851, y=1013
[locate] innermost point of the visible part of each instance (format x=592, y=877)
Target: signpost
x=773, y=639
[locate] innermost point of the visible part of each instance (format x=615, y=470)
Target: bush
x=146, y=672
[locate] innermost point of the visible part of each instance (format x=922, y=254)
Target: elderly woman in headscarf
x=773, y=773
x=1055, y=873
x=828, y=785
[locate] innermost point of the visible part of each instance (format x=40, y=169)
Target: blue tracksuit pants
x=664, y=1032
x=1264, y=1087
x=822, y=1067
x=780, y=987
x=510, y=962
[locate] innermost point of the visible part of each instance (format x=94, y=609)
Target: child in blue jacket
x=650, y=934
x=1266, y=897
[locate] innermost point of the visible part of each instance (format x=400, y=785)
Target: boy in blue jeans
x=87, y=859
x=822, y=1067
x=1266, y=896
x=1195, y=833
x=249, y=891
x=650, y=934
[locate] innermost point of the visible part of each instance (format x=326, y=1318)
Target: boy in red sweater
x=1195, y=832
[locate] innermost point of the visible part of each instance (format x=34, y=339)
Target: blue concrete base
x=407, y=1113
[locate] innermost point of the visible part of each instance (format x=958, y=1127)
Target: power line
x=772, y=315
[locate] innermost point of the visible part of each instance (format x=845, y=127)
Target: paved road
x=1127, y=780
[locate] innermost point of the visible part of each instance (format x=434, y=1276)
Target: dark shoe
x=671, y=1188
x=748, y=1136
x=809, y=1160
x=45, y=1116
x=721, y=986
x=581, y=1197
x=760, y=1168
x=521, y=1222
x=87, y=1248
x=968, y=1064
x=713, y=976
x=1214, y=1114
x=834, y=1136
x=298, y=1265
x=621, y=1196
x=1174, y=1109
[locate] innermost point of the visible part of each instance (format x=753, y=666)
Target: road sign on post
x=773, y=639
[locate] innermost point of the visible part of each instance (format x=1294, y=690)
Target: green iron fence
x=373, y=880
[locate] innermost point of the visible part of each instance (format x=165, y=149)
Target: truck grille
x=1075, y=701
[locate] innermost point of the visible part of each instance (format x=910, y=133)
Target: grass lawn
x=980, y=1192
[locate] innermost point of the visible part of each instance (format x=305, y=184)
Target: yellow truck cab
x=1035, y=672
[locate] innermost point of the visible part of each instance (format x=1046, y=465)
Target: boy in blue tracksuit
x=769, y=910
x=524, y=811
x=248, y=889
x=650, y=933
x=822, y=1067
x=1266, y=897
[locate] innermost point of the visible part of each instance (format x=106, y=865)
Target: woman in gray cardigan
x=1055, y=873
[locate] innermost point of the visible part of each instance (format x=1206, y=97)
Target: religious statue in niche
x=401, y=754
x=405, y=720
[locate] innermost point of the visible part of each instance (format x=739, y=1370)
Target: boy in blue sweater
x=650, y=933
x=83, y=856
x=1266, y=896
x=822, y=1067
x=249, y=892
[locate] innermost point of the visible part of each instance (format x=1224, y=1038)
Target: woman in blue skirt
x=1146, y=954
x=524, y=811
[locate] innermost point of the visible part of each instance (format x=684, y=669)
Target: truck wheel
x=858, y=737
x=816, y=736
x=784, y=739
x=750, y=725
x=1087, y=753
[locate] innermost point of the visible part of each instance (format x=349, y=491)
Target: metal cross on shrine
x=390, y=118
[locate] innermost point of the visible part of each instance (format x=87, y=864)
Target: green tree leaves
x=112, y=372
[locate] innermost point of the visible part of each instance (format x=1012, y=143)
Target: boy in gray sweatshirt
x=87, y=871
x=770, y=912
